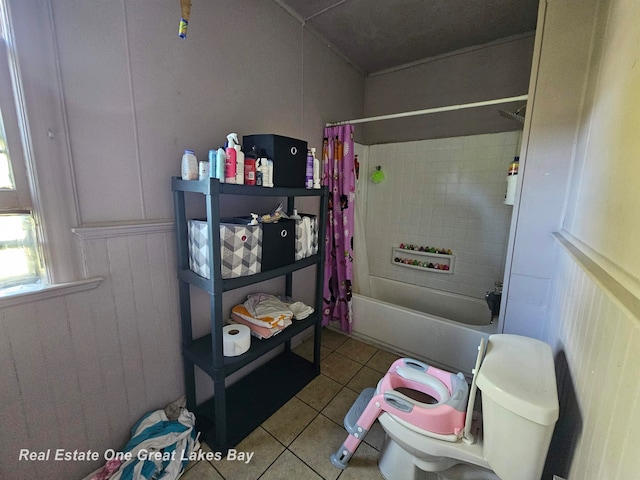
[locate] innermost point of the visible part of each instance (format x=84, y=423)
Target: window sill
x=49, y=291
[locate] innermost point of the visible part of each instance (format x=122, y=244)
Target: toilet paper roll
x=236, y=340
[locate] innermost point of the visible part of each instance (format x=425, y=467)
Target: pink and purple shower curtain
x=339, y=176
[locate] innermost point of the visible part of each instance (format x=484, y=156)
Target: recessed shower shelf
x=418, y=260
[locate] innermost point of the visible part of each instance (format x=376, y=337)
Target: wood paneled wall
x=597, y=344
x=79, y=370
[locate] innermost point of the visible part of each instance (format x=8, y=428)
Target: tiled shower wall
x=446, y=193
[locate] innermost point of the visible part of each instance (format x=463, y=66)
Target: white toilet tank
x=519, y=405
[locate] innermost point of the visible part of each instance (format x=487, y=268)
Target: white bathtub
x=441, y=328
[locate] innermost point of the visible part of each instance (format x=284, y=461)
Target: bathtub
x=441, y=328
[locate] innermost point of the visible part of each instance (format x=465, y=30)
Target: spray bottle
x=231, y=165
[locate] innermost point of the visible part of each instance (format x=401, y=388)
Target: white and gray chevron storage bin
x=240, y=248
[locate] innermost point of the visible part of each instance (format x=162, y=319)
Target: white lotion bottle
x=316, y=169
x=189, y=166
x=239, y=165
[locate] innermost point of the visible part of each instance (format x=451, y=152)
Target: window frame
x=18, y=200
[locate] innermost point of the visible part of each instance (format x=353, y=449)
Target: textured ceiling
x=377, y=35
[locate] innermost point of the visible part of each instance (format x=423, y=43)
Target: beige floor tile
x=340, y=405
x=289, y=467
x=356, y=350
x=201, y=470
x=331, y=339
x=339, y=368
x=375, y=436
x=292, y=418
x=305, y=350
x=364, y=464
x=318, y=441
x=265, y=449
x=382, y=360
x=205, y=448
x=366, y=377
x=319, y=392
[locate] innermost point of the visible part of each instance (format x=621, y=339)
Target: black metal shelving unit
x=235, y=411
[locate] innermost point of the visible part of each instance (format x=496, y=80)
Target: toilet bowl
x=447, y=439
x=510, y=438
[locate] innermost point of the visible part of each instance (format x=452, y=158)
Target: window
x=20, y=255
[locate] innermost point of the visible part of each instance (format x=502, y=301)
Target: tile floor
x=296, y=441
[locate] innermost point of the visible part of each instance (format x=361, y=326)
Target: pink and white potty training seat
x=444, y=419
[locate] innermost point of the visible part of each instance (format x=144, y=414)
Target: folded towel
x=300, y=310
x=256, y=331
x=268, y=322
x=265, y=306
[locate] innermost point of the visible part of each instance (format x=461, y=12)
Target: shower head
x=517, y=115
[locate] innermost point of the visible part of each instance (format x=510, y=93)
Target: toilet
x=517, y=384
x=506, y=439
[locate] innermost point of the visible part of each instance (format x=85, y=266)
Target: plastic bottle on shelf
x=316, y=169
x=203, y=170
x=189, y=166
x=265, y=172
x=213, y=158
x=231, y=165
x=221, y=159
x=250, y=168
x=308, y=181
x=239, y=164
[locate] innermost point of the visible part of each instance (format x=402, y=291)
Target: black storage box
x=289, y=157
x=278, y=244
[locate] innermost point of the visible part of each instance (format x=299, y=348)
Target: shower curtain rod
x=430, y=110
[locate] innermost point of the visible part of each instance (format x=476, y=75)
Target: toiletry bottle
x=308, y=180
x=269, y=173
x=221, y=159
x=259, y=172
x=230, y=161
x=213, y=157
x=295, y=215
x=265, y=172
x=189, y=166
x=316, y=169
x=239, y=164
x=250, y=167
x=203, y=170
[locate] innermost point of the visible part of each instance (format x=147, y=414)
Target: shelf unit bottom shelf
x=255, y=397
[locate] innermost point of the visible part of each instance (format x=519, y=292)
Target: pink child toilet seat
x=444, y=419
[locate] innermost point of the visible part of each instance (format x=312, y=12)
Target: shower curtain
x=339, y=176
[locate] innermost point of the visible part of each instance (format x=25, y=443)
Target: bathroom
x=117, y=99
